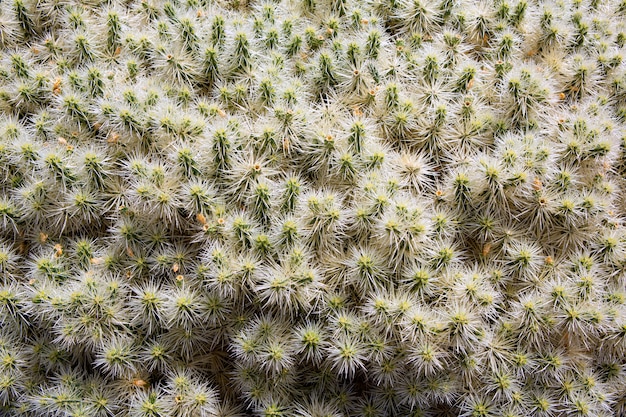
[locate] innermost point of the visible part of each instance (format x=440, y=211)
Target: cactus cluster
x=312, y=208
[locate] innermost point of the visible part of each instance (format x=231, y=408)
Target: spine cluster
x=312, y=208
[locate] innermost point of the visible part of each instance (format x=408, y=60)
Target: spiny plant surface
x=312, y=208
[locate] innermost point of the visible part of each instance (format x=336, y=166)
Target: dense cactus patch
x=312, y=208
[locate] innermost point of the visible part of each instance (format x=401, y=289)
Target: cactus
x=312, y=208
